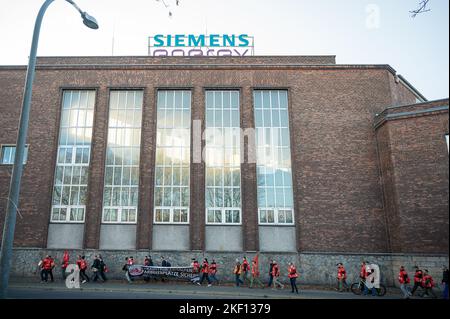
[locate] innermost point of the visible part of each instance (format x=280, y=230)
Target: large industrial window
x=173, y=144
x=223, y=180
x=72, y=164
x=274, y=173
x=120, y=195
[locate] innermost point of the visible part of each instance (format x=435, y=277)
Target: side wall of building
x=414, y=160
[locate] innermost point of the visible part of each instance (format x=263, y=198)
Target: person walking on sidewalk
x=52, y=266
x=82, y=265
x=445, y=282
x=270, y=274
x=64, y=264
x=276, y=276
x=103, y=268
x=404, y=280
x=205, y=272
x=245, y=268
x=96, y=266
x=418, y=275
x=428, y=284
x=213, y=272
x=125, y=269
x=292, y=274
x=237, y=272
x=195, y=266
x=147, y=262
x=46, y=267
x=342, y=278
x=255, y=273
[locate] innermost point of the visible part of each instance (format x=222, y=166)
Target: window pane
x=71, y=165
x=263, y=216
x=172, y=154
x=273, y=155
x=222, y=153
x=270, y=216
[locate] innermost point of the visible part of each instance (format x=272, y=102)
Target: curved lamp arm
x=14, y=188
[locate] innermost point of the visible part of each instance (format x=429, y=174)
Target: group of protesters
x=423, y=281
x=98, y=268
x=246, y=273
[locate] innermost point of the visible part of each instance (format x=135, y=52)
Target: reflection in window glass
x=72, y=163
x=223, y=185
x=120, y=194
x=172, y=166
x=8, y=152
x=274, y=173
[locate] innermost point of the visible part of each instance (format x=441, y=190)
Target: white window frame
x=74, y=148
x=119, y=214
x=122, y=165
x=173, y=109
x=11, y=158
x=68, y=208
x=171, y=212
x=273, y=130
x=223, y=215
x=224, y=148
x=275, y=217
x=447, y=141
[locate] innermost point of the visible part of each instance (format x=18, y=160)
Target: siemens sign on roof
x=201, y=45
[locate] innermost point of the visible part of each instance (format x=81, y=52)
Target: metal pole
x=14, y=189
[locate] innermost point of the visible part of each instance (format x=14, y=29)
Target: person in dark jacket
x=98, y=268
x=445, y=282
x=270, y=274
x=102, y=269
x=163, y=262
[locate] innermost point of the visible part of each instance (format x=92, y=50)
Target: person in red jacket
x=195, y=266
x=205, y=271
x=255, y=273
x=403, y=279
x=342, y=278
x=292, y=274
x=363, y=271
x=428, y=284
x=418, y=276
x=64, y=264
x=47, y=266
x=213, y=272
x=245, y=268
x=82, y=265
x=276, y=276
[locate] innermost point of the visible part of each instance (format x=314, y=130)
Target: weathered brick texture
x=348, y=176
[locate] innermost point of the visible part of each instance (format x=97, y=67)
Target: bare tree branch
x=167, y=6
x=422, y=8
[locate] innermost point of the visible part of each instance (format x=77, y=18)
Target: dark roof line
x=412, y=88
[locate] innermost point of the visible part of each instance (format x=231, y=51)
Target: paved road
x=120, y=290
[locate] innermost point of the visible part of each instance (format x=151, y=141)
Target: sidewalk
x=179, y=288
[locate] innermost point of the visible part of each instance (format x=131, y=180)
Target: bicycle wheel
x=382, y=290
x=356, y=288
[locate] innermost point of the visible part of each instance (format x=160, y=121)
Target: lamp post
x=14, y=188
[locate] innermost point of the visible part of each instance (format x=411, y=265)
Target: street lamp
x=14, y=188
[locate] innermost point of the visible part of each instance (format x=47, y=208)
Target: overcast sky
x=356, y=31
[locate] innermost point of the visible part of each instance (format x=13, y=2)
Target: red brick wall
x=414, y=158
x=337, y=190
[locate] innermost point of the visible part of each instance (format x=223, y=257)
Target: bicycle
x=358, y=287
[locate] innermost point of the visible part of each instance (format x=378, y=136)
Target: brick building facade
x=368, y=161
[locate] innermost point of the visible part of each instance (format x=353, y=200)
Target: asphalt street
x=141, y=290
